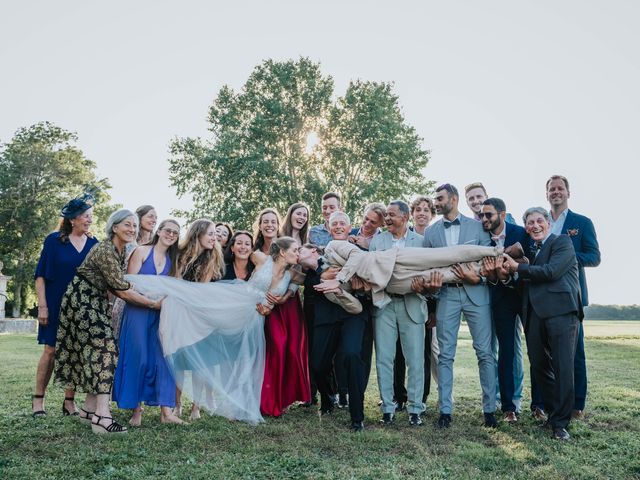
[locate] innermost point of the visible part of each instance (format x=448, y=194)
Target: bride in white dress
x=216, y=330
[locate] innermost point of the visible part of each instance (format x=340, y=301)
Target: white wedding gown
x=213, y=331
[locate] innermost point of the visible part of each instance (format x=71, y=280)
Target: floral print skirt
x=86, y=352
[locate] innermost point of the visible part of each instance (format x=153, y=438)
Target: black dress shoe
x=490, y=420
x=400, y=406
x=444, y=421
x=387, y=418
x=561, y=434
x=326, y=410
x=357, y=426
x=343, y=401
x=415, y=420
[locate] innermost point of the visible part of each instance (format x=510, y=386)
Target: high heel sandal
x=65, y=412
x=86, y=418
x=38, y=413
x=113, y=427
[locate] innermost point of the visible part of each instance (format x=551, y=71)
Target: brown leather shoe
x=577, y=415
x=510, y=417
x=539, y=414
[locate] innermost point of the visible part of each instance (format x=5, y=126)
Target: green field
x=304, y=445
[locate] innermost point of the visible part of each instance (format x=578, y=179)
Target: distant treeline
x=613, y=312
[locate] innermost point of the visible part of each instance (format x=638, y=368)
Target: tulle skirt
x=212, y=331
x=286, y=375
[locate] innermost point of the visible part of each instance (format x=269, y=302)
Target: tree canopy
x=40, y=170
x=283, y=138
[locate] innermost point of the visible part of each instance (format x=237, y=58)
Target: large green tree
x=41, y=168
x=260, y=154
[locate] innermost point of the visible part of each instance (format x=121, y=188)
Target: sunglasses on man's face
x=487, y=215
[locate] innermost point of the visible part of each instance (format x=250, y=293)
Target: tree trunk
x=17, y=299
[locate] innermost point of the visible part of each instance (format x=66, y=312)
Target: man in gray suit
x=403, y=317
x=553, y=309
x=471, y=297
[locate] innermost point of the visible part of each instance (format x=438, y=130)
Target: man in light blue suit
x=471, y=297
x=403, y=317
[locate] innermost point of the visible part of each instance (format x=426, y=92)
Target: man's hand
x=510, y=265
x=360, y=240
x=330, y=273
x=431, y=320
x=466, y=273
x=488, y=268
x=418, y=284
x=327, y=286
x=434, y=282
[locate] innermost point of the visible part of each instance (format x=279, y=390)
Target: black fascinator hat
x=77, y=206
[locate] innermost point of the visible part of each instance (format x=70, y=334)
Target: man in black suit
x=335, y=330
x=553, y=310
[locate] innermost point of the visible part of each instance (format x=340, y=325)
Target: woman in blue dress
x=63, y=252
x=142, y=374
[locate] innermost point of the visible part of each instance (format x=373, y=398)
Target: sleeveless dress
x=214, y=331
x=142, y=374
x=286, y=375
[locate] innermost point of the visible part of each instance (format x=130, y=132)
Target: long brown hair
x=190, y=251
x=287, y=228
x=141, y=211
x=173, y=249
x=257, y=234
x=229, y=256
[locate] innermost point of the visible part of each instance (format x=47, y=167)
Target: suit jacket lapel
x=544, y=251
x=440, y=232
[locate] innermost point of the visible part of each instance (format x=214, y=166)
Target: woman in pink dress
x=286, y=375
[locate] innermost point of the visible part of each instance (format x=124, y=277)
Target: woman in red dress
x=286, y=375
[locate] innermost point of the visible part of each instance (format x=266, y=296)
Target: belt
x=457, y=285
x=395, y=295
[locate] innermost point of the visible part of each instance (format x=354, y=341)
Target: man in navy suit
x=552, y=308
x=469, y=296
x=582, y=233
x=506, y=302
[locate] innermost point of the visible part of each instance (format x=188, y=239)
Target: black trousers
x=309, y=319
x=345, y=336
x=400, y=369
x=551, y=344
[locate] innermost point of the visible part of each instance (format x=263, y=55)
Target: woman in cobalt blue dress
x=62, y=254
x=142, y=374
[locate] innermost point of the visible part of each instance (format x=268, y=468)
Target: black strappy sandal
x=114, y=427
x=86, y=418
x=65, y=412
x=38, y=413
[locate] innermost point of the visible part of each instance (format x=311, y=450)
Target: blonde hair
x=190, y=251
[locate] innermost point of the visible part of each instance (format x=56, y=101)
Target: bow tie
x=537, y=246
x=448, y=224
x=496, y=238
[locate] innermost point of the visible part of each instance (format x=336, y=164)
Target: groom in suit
x=552, y=308
x=469, y=296
x=505, y=302
x=403, y=317
x=582, y=233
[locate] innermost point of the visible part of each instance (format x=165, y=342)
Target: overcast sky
x=505, y=92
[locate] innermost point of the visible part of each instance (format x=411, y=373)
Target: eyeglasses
x=171, y=232
x=487, y=215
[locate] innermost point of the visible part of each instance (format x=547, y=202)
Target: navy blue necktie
x=448, y=224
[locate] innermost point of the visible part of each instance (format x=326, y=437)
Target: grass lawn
x=303, y=445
